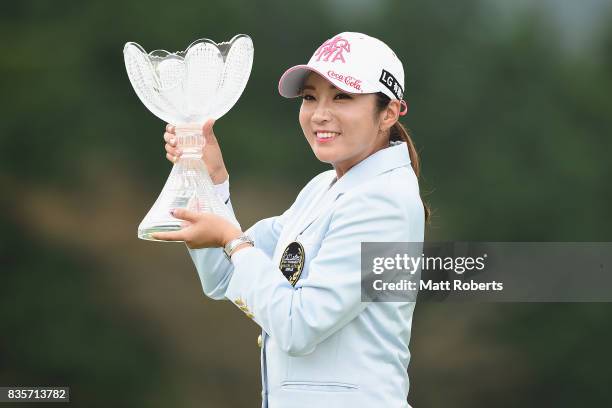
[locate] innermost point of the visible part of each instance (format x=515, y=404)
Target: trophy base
x=145, y=233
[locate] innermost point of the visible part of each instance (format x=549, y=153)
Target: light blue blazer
x=322, y=346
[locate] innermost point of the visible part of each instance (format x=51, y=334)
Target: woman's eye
x=342, y=96
x=308, y=97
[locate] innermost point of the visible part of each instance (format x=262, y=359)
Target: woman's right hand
x=211, y=153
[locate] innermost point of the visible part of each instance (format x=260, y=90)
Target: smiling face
x=341, y=128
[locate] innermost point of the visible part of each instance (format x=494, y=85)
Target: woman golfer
x=298, y=275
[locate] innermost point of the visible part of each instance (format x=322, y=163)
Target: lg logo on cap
x=391, y=83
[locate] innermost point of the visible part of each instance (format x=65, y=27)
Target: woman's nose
x=321, y=113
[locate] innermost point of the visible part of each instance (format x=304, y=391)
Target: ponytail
x=399, y=133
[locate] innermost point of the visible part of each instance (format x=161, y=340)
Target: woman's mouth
x=326, y=136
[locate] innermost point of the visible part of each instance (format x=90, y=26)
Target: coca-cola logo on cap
x=347, y=79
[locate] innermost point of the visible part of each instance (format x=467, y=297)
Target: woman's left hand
x=200, y=230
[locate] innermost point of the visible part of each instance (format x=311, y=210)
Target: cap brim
x=291, y=82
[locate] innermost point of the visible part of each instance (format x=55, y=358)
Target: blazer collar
x=383, y=160
x=380, y=162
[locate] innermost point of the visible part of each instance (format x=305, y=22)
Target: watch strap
x=231, y=246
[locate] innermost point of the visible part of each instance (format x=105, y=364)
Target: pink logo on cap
x=349, y=80
x=336, y=46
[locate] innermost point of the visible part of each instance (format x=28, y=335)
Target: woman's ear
x=390, y=114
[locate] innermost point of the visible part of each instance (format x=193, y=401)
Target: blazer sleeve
x=213, y=267
x=300, y=317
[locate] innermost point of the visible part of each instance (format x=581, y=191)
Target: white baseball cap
x=352, y=62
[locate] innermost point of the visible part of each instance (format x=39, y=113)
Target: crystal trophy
x=186, y=88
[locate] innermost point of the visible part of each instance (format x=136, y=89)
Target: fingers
x=207, y=130
x=169, y=236
x=171, y=158
x=184, y=214
x=170, y=138
x=172, y=149
x=172, y=152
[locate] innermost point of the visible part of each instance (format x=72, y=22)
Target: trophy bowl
x=186, y=88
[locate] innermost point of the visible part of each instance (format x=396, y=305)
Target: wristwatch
x=231, y=246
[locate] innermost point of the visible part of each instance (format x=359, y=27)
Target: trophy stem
x=188, y=186
x=190, y=140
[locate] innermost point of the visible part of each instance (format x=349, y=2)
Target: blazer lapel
x=379, y=162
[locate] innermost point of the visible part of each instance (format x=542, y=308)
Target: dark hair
x=399, y=133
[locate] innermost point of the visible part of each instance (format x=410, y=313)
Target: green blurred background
x=510, y=109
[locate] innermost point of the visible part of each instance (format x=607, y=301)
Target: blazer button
x=259, y=341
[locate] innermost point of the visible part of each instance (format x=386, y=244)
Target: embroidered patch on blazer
x=292, y=262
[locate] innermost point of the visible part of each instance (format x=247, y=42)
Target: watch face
x=292, y=262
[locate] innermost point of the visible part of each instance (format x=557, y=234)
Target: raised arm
x=212, y=267
x=211, y=264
